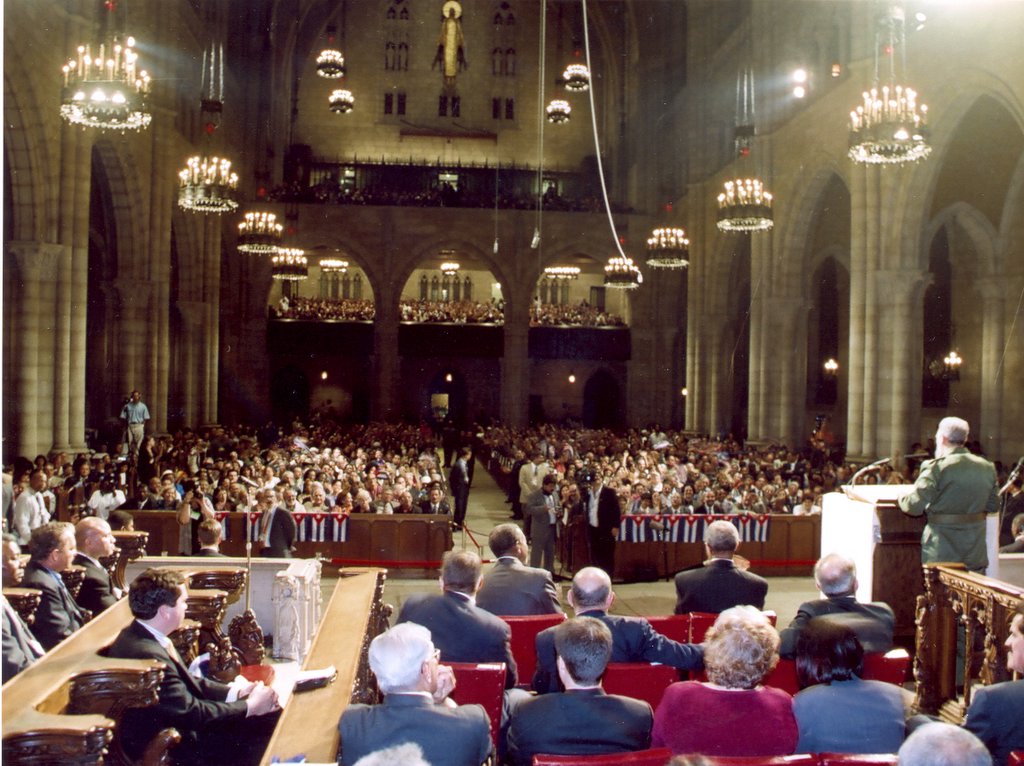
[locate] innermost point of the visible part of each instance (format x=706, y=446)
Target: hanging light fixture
x=668, y=249
x=329, y=62
x=558, y=111
x=449, y=268
x=333, y=265
x=831, y=367
x=259, y=234
x=289, y=264
x=107, y=90
x=888, y=127
x=576, y=78
x=562, y=272
x=207, y=183
x=621, y=273
x=951, y=366
x=341, y=101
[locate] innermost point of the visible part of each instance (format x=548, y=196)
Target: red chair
x=890, y=667
x=1016, y=758
x=524, y=642
x=657, y=757
x=481, y=683
x=674, y=626
x=701, y=621
x=852, y=759
x=783, y=677
x=806, y=759
x=639, y=680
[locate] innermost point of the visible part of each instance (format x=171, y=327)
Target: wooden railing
x=974, y=611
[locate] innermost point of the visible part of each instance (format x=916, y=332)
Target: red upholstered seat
x=674, y=626
x=524, y=646
x=481, y=684
x=891, y=667
x=657, y=757
x=851, y=759
x=1016, y=758
x=807, y=759
x=639, y=680
x=701, y=621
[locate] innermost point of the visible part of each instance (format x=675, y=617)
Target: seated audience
x=836, y=578
x=719, y=584
x=511, y=587
x=736, y=716
x=106, y=498
x=837, y=712
x=435, y=502
x=409, y=754
x=942, y=744
x=121, y=521
x=20, y=647
x=416, y=707
x=210, y=532
x=462, y=631
x=633, y=638
x=94, y=542
x=52, y=547
x=582, y=720
x=1017, y=530
x=218, y=723
x=14, y=570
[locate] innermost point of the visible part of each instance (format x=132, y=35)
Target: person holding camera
x=194, y=508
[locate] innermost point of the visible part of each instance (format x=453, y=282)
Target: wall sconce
x=448, y=378
x=684, y=391
x=831, y=367
x=572, y=378
x=323, y=375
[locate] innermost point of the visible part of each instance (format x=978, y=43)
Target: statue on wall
x=451, y=54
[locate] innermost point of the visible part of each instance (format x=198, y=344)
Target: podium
x=865, y=524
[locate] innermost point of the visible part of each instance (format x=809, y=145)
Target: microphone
x=1013, y=476
x=869, y=467
x=917, y=455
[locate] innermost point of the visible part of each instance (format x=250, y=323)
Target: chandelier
x=558, y=111
x=330, y=64
x=341, y=101
x=107, y=91
x=259, y=234
x=449, y=268
x=562, y=272
x=333, y=266
x=289, y=263
x=888, y=126
x=668, y=249
x=951, y=366
x=621, y=273
x=831, y=367
x=207, y=185
x=745, y=205
x=576, y=77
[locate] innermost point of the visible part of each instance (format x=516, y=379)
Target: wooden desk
x=309, y=723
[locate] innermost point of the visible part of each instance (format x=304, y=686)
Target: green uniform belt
x=955, y=518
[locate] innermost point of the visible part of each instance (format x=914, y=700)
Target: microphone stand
x=1004, y=491
x=868, y=468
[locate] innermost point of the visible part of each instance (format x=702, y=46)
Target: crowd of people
x=456, y=312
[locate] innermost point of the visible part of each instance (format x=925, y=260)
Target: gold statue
x=450, y=43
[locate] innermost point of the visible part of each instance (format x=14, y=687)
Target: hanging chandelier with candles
x=621, y=273
x=289, y=264
x=576, y=78
x=259, y=234
x=107, y=91
x=341, y=101
x=888, y=127
x=330, y=63
x=562, y=272
x=333, y=265
x=558, y=111
x=668, y=248
x=745, y=205
x=449, y=268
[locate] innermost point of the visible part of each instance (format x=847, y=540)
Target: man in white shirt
x=30, y=509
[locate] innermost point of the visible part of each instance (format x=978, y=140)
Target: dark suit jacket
x=58, y=616
x=209, y=553
x=633, y=640
x=19, y=645
x=512, y=588
x=582, y=722
x=193, y=706
x=718, y=586
x=452, y=736
x=463, y=632
x=282, y=535
x=873, y=623
x=609, y=514
x=458, y=477
x=97, y=592
x=996, y=716
x=443, y=507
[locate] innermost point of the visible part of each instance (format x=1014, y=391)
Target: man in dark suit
x=603, y=517
x=719, y=584
x=416, y=706
x=219, y=723
x=996, y=714
x=435, y=502
x=52, y=547
x=511, y=588
x=277, y=527
x=459, y=628
x=541, y=507
x=836, y=578
x=582, y=720
x=458, y=480
x=95, y=541
x=209, y=539
x=20, y=647
x=633, y=638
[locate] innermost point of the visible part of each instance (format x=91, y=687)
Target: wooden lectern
x=865, y=524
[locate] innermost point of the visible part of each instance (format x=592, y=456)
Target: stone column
x=79, y=292
x=134, y=297
x=515, y=369
x=211, y=326
x=163, y=160
x=790, y=369
x=992, y=362
x=855, y=401
x=758, y=417
x=386, y=364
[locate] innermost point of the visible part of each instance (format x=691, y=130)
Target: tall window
x=424, y=287
x=389, y=103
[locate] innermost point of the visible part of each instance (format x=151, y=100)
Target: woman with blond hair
x=730, y=713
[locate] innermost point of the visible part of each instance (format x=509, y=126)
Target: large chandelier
x=107, y=91
x=207, y=185
x=289, y=264
x=888, y=126
x=576, y=77
x=558, y=111
x=745, y=205
x=450, y=268
x=333, y=266
x=330, y=64
x=621, y=273
x=668, y=249
x=562, y=272
x=341, y=101
x=259, y=234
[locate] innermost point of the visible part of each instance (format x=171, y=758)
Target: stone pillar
x=193, y=315
x=758, y=426
x=992, y=362
x=386, y=359
x=855, y=401
x=79, y=292
x=134, y=297
x=163, y=160
x=515, y=370
x=211, y=326
x=790, y=369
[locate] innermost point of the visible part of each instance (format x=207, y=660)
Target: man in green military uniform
x=956, y=490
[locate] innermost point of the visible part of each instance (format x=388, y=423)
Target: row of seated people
x=453, y=311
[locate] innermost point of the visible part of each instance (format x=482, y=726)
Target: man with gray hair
x=511, y=587
x=955, y=490
x=942, y=744
x=416, y=706
x=720, y=583
x=836, y=578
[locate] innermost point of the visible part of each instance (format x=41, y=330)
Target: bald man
x=95, y=541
